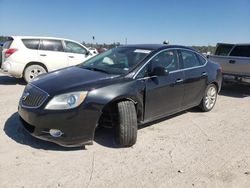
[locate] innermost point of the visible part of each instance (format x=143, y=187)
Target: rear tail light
x=10, y=51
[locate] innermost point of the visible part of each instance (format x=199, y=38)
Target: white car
x=27, y=57
x=93, y=50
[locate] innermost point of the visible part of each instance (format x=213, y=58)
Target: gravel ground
x=191, y=149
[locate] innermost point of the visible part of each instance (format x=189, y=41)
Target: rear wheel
x=126, y=130
x=209, y=98
x=33, y=71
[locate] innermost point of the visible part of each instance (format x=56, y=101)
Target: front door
x=164, y=94
x=76, y=53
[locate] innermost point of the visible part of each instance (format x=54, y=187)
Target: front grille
x=33, y=97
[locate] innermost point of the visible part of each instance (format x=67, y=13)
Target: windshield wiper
x=96, y=69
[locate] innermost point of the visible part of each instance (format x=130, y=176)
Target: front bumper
x=78, y=125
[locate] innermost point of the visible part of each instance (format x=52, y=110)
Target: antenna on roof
x=166, y=42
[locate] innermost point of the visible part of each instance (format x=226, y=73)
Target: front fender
x=127, y=90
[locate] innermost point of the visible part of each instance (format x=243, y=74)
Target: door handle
x=71, y=56
x=232, y=61
x=43, y=55
x=204, y=74
x=179, y=80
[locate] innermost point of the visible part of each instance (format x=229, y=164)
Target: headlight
x=66, y=101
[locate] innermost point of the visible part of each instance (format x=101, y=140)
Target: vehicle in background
x=234, y=60
x=93, y=50
x=121, y=88
x=101, y=50
x=27, y=56
x=1, y=48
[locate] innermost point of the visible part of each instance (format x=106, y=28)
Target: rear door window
x=189, y=59
x=31, y=43
x=241, y=51
x=223, y=49
x=51, y=45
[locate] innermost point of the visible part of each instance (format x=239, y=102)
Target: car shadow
x=106, y=137
x=7, y=80
x=16, y=132
x=236, y=90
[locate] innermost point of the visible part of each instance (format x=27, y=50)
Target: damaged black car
x=121, y=88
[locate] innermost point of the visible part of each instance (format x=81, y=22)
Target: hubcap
x=210, y=98
x=35, y=72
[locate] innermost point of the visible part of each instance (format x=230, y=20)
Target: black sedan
x=121, y=88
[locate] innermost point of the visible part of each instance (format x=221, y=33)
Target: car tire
x=33, y=71
x=209, y=99
x=126, y=130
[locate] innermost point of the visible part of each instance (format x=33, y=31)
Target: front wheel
x=209, y=98
x=33, y=71
x=126, y=130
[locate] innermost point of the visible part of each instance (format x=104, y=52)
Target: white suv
x=28, y=57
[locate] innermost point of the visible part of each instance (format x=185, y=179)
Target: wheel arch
x=35, y=63
x=217, y=86
x=113, y=103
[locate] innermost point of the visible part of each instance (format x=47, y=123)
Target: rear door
x=239, y=60
x=221, y=56
x=76, y=53
x=51, y=53
x=195, y=77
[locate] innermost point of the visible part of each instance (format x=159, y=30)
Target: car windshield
x=119, y=60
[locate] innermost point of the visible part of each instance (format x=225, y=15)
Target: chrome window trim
x=134, y=77
x=35, y=107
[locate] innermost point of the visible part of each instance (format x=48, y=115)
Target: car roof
x=156, y=46
x=40, y=37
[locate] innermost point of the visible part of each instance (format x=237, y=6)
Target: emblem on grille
x=25, y=95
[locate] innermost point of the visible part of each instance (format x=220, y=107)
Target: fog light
x=55, y=133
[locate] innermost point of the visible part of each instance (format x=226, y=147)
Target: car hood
x=71, y=79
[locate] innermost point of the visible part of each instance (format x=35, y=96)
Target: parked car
x=28, y=57
x=234, y=60
x=1, y=49
x=121, y=88
x=101, y=50
x=93, y=50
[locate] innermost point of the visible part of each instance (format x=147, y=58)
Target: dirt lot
x=191, y=149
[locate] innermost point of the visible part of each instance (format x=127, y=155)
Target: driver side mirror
x=87, y=53
x=159, y=71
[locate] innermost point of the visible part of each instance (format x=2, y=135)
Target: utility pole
x=93, y=41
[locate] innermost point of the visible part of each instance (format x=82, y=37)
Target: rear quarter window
x=201, y=59
x=7, y=44
x=31, y=43
x=241, y=51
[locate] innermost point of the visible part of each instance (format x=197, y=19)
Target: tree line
x=202, y=49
